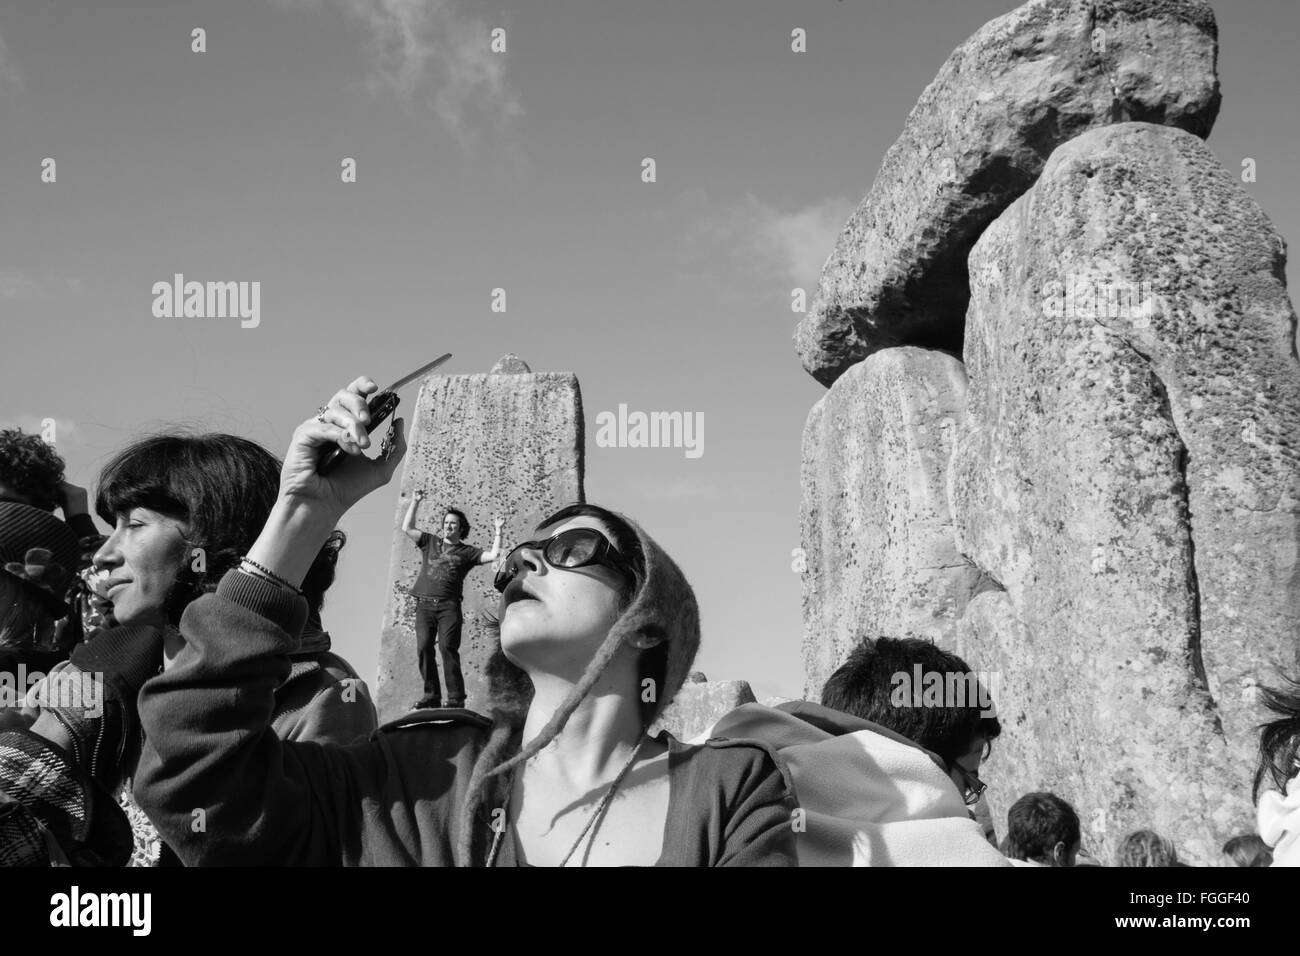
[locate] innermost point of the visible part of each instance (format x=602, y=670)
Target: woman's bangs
x=122, y=493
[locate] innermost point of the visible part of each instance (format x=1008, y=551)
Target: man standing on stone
x=438, y=592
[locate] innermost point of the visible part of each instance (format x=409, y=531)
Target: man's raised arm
x=408, y=523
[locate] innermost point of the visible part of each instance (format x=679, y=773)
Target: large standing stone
x=508, y=444
x=978, y=137
x=1126, y=471
x=880, y=554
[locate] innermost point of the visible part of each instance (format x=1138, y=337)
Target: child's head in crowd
x=1042, y=828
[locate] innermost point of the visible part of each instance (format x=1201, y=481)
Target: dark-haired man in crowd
x=1042, y=830
x=888, y=762
x=890, y=682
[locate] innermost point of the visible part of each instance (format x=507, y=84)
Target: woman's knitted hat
x=40, y=551
x=663, y=607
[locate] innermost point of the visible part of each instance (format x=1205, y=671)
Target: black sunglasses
x=975, y=787
x=575, y=548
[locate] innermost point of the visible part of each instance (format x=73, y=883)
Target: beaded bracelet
x=269, y=575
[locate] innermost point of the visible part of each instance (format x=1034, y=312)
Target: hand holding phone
x=381, y=405
x=309, y=505
x=379, y=408
x=343, y=424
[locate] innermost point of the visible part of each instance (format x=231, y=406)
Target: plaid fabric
x=50, y=813
x=23, y=841
x=41, y=778
x=41, y=797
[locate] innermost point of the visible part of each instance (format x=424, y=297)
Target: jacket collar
x=315, y=638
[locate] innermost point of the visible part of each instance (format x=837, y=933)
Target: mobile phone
x=379, y=407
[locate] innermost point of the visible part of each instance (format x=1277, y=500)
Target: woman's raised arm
x=213, y=777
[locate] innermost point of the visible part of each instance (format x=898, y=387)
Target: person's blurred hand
x=73, y=500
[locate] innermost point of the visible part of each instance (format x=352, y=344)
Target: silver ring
x=320, y=414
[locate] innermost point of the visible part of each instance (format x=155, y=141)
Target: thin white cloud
x=10, y=75
x=788, y=245
x=16, y=284
x=800, y=240
x=430, y=54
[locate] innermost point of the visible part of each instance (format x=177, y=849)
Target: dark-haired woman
x=1279, y=765
x=183, y=510
x=598, y=629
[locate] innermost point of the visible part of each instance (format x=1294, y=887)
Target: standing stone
x=510, y=364
x=508, y=444
x=1034, y=697
x=698, y=705
x=978, y=137
x=1126, y=472
x=881, y=557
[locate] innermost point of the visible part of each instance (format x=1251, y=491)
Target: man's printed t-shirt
x=444, y=568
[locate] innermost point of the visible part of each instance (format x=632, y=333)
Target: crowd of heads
x=1042, y=828
x=209, y=495
x=39, y=554
x=181, y=508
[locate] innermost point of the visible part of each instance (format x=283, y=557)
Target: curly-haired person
x=31, y=471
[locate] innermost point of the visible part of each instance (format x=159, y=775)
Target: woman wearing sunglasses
x=598, y=629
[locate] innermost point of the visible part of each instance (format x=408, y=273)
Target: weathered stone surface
x=881, y=557
x=510, y=364
x=978, y=137
x=487, y=444
x=701, y=704
x=1126, y=471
